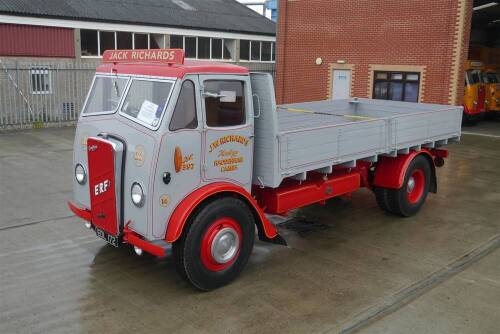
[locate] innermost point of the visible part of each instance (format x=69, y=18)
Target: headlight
x=80, y=174
x=137, y=194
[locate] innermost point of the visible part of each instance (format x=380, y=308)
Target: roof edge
x=69, y=18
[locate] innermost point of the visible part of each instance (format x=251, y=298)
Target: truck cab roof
x=172, y=70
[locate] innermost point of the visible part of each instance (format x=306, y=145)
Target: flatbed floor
x=292, y=140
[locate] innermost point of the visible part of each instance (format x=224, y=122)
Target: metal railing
x=42, y=94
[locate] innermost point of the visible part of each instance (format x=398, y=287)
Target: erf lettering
x=101, y=188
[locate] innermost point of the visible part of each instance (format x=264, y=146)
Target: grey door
x=180, y=154
x=228, y=129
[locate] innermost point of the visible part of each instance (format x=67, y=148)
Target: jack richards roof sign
x=164, y=56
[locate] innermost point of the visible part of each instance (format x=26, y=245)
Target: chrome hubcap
x=225, y=245
x=411, y=185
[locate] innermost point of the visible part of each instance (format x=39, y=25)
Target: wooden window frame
x=390, y=80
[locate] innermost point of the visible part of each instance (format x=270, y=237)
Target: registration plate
x=110, y=239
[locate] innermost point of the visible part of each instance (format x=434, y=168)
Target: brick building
x=401, y=50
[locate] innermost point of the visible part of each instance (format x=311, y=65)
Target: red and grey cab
x=187, y=159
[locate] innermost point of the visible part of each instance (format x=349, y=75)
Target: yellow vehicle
x=474, y=92
x=491, y=79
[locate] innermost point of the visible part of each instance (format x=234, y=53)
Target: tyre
x=408, y=200
x=216, y=243
x=472, y=119
x=381, y=197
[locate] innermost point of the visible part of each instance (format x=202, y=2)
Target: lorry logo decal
x=228, y=139
x=101, y=188
x=93, y=148
x=228, y=160
x=183, y=162
x=139, y=155
x=164, y=200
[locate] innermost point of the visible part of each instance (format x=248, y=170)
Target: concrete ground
x=349, y=266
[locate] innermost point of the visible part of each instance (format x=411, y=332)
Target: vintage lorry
x=474, y=92
x=187, y=159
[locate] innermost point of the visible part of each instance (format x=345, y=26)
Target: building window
x=106, y=41
x=203, y=48
x=396, y=86
x=40, y=80
x=216, y=48
x=141, y=41
x=176, y=42
x=228, y=49
x=88, y=42
x=156, y=41
x=190, y=47
x=266, y=51
x=244, y=50
x=94, y=43
x=257, y=51
x=123, y=40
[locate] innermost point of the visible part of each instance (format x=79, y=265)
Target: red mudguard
x=390, y=172
x=186, y=207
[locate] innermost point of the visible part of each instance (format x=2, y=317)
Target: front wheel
x=216, y=244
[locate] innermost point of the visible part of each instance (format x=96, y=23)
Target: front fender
x=184, y=210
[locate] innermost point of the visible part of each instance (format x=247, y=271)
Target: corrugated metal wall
x=32, y=41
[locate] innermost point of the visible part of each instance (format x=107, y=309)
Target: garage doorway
x=341, y=84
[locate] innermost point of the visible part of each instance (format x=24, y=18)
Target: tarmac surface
x=349, y=266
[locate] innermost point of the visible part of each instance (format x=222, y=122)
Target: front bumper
x=158, y=248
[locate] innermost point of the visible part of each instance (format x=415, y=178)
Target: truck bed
x=292, y=140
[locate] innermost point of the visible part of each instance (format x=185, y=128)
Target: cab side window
x=184, y=116
x=224, y=103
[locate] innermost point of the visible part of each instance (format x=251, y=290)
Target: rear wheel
x=408, y=200
x=217, y=243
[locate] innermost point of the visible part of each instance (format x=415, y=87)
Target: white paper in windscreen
x=147, y=114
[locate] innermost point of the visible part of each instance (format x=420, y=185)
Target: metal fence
x=41, y=95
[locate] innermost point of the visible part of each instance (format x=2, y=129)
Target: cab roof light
x=159, y=56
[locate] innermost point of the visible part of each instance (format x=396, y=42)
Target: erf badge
x=139, y=155
x=164, y=200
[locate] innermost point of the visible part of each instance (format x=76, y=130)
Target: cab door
x=228, y=129
x=179, y=159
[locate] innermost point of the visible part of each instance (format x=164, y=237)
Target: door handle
x=167, y=177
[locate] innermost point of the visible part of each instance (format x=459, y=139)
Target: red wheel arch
x=183, y=211
x=390, y=172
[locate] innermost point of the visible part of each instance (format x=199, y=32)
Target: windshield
x=105, y=95
x=492, y=77
x=474, y=76
x=146, y=101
